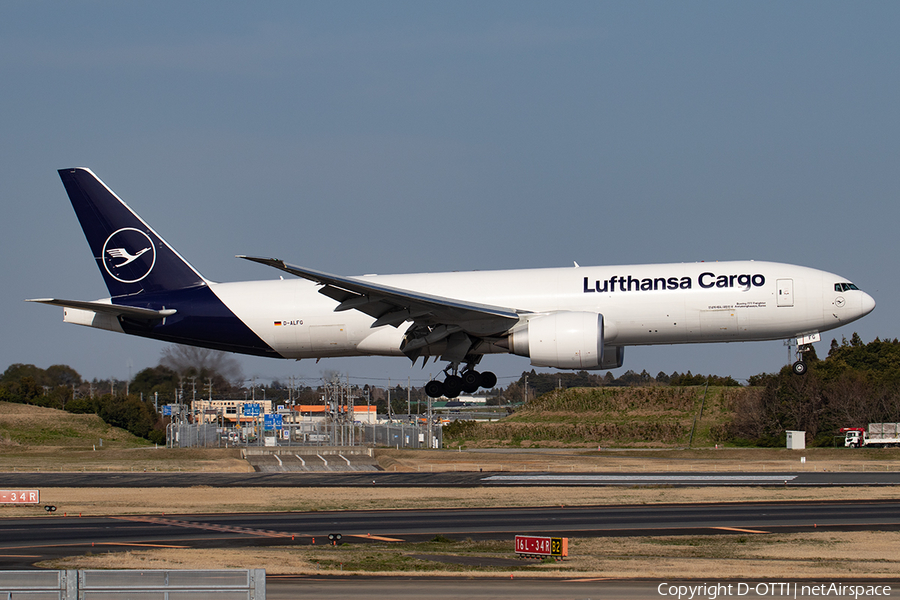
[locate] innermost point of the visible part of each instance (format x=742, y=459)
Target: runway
x=444, y=479
x=24, y=541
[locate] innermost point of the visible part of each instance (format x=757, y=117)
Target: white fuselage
x=641, y=304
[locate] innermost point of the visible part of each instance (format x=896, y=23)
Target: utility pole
x=526, y=389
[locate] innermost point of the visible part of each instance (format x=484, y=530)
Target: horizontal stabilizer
x=133, y=312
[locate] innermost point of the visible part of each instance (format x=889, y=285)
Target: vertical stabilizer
x=132, y=258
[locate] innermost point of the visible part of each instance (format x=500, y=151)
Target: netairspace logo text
x=772, y=589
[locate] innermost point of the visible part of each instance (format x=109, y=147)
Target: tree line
x=57, y=386
x=856, y=384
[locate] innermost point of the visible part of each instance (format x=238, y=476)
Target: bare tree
x=187, y=360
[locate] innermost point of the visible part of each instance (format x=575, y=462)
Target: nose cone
x=866, y=305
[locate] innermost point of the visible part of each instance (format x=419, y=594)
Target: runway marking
x=209, y=527
x=642, y=478
x=376, y=537
x=227, y=529
x=741, y=530
x=141, y=545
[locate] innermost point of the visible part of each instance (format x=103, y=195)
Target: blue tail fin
x=132, y=258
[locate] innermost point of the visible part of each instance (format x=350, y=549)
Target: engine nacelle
x=564, y=340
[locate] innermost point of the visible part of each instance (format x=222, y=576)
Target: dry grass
x=23, y=426
x=134, y=501
x=604, y=460
x=123, y=460
x=768, y=557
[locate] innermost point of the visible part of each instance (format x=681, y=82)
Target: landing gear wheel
x=453, y=385
x=799, y=368
x=471, y=381
x=488, y=380
x=434, y=389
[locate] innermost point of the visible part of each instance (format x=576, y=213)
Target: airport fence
x=404, y=435
x=225, y=584
x=190, y=435
x=397, y=434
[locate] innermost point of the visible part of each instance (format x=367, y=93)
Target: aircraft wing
x=117, y=310
x=392, y=306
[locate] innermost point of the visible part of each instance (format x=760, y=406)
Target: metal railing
x=230, y=584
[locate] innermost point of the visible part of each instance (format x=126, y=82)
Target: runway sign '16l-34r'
x=20, y=496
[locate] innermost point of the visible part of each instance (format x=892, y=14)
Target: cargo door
x=785, y=292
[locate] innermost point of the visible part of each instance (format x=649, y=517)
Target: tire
x=488, y=380
x=434, y=389
x=471, y=381
x=799, y=368
x=453, y=385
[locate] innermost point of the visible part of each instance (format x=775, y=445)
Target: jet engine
x=565, y=340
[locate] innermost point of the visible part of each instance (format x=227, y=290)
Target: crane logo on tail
x=129, y=255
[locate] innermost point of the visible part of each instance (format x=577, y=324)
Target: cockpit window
x=843, y=287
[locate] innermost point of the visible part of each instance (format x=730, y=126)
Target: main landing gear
x=468, y=381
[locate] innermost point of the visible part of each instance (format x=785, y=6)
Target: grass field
x=635, y=417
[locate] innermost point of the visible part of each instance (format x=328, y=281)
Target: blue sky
x=392, y=137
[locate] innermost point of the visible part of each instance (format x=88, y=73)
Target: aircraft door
x=785, y=291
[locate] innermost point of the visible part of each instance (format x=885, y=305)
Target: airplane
x=568, y=318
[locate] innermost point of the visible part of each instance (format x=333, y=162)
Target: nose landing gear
x=803, y=344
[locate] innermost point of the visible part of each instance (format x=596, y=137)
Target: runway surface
x=444, y=479
x=24, y=541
